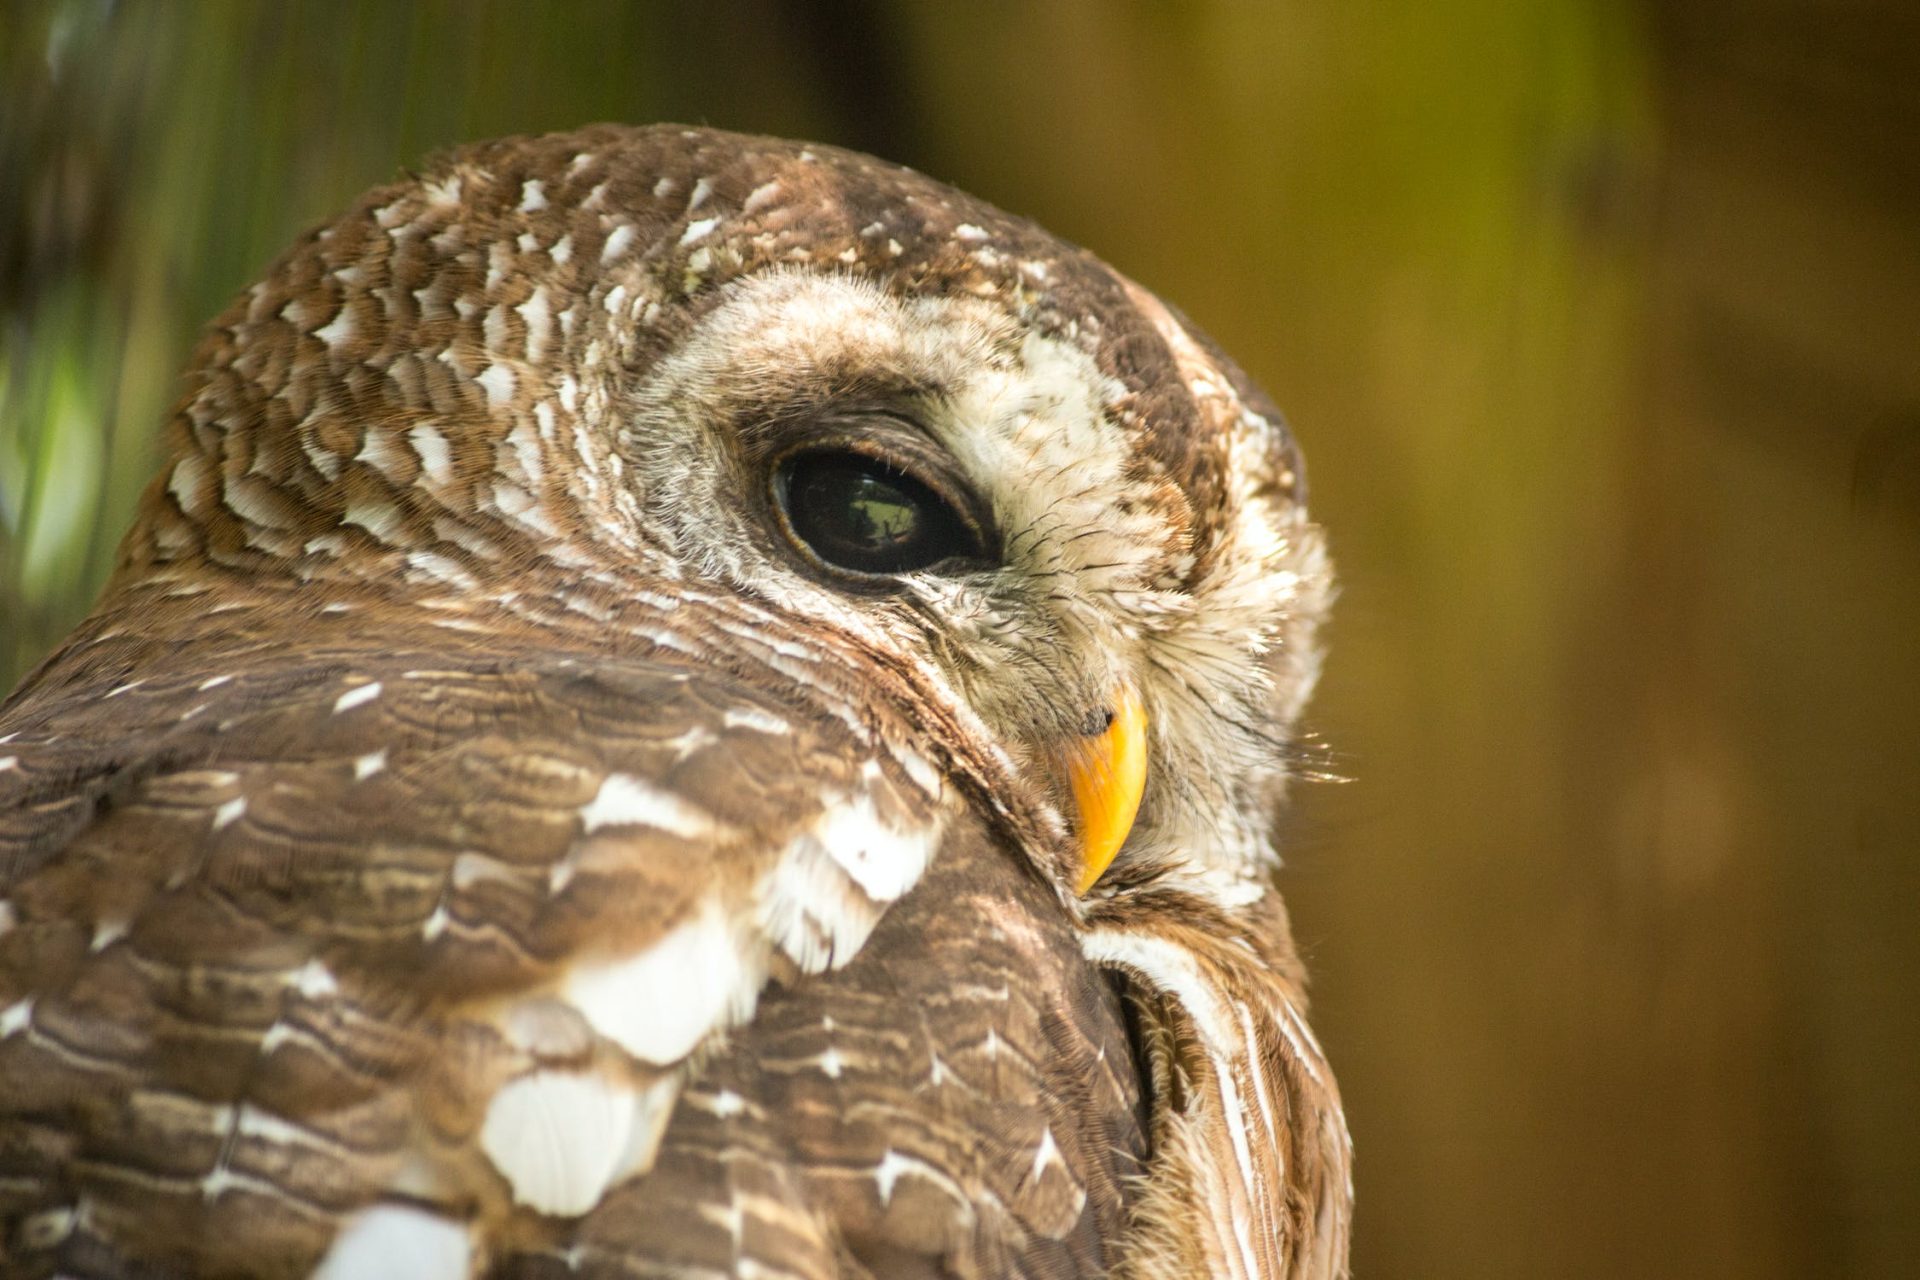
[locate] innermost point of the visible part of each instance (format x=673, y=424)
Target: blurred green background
x=1600, y=322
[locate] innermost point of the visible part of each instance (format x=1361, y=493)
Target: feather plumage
x=466, y=839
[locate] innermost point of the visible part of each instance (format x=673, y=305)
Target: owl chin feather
x=486, y=826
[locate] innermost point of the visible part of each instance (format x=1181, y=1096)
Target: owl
x=684, y=705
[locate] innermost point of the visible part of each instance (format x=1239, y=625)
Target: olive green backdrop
x=1601, y=325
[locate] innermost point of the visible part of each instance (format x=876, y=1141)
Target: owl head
x=632, y=369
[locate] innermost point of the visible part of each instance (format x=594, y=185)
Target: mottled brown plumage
x=473, y=837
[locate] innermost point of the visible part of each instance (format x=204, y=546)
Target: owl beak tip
x=1108, y=774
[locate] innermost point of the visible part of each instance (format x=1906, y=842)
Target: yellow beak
x=1108, y=773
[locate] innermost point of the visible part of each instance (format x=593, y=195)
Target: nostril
x=1098, y=722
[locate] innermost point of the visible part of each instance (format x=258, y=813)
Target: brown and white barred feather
x=451, y=848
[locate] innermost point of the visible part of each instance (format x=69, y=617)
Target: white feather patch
x=755, y=719
x=617, y=243
x=662, y=1002
x=398, y=1242
x=436, y=457
x=822, y=899
x=188, y=483
x=624, y=800
x=381, y=519
x=498, y=382
x=381, y=450
x=811, y=910
x=15, y=1016
x=882, y=861
x=359, y=695
x=895, y=1165
x=560, y=1139
x=338, y=330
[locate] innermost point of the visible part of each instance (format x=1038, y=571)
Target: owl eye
x=864, y=515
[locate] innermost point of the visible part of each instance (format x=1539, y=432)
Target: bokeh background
x=1600, y=322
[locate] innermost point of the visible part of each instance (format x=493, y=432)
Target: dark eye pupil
x=856, y=513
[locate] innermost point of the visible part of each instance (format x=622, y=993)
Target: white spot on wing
x=617, y=243
x=188, y=484
x=357, y=696
x=537, y=314
x=381, y=519
x=882, y=861
x=229, y=813
x=698, y=229
x=1045, y=1154
x=523, y=447
x=893, y=1166
x=697, y=738
x=15, y=1016
x=381, y=451
x=662, y=1002
x=560, y=1139
x=314, y=981
x=366, y=766
x=398, y=1242
x=761, y=195
x=810, y=909
x=471, y=868
x=624, y=800
x=823, y=897
x=337, y=330
x=498, y=382
x=919, y=769
x=438, y=568
x=436, y=460
x=440, y=194
x=755, y=719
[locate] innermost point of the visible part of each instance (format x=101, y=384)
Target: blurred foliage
x=1598, y=322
